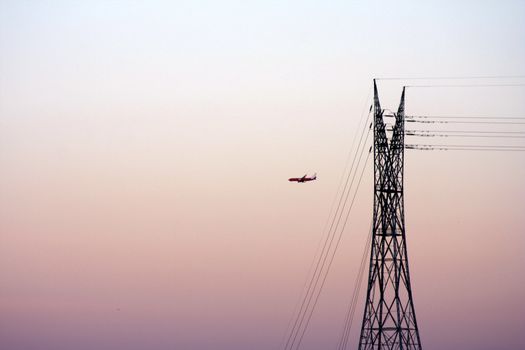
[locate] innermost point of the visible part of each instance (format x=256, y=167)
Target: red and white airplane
x=305, y=178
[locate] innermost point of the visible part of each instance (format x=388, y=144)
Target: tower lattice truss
x=389, y=320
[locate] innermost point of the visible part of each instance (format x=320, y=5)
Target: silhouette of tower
x=389, y=320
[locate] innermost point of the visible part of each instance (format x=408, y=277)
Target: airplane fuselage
x=302, y=179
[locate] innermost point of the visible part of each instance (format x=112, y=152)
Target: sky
x=145, y=148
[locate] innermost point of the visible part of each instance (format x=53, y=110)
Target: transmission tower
x=389, y=320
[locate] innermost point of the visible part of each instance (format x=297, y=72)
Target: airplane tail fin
x=315, y=175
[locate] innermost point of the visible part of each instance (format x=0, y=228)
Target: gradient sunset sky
x=145, y=148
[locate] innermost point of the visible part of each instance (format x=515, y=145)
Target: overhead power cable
x=361, y=126
x=414, y=120
x=463, y=148
x=467, y=149
x=464, y=85
x=468, y=131
x=363, y=119
x=475, y=77
x=331, y=260
x=336, y=220
x=355, y=294
x=463, y=135
x=314, y=283
x=462, y=117
x=473, y=146
x=306, y=309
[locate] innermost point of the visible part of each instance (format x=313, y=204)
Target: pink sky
x=144, y=153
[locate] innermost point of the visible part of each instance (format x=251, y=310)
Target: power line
x=355, y=294
x=464, y=149
x=363, y=118
x=460, y=117
x=455, y=77
x=464, y=135
x=461, y=122
x=473, y=146
x=321, y=261
x=469, y=131
x=330, y=240
x=334, y=251
x=318, y=277
x=464, y=85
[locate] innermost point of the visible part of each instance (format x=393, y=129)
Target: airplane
x=305, y=178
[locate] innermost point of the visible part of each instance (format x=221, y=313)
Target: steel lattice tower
x=389, y=320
